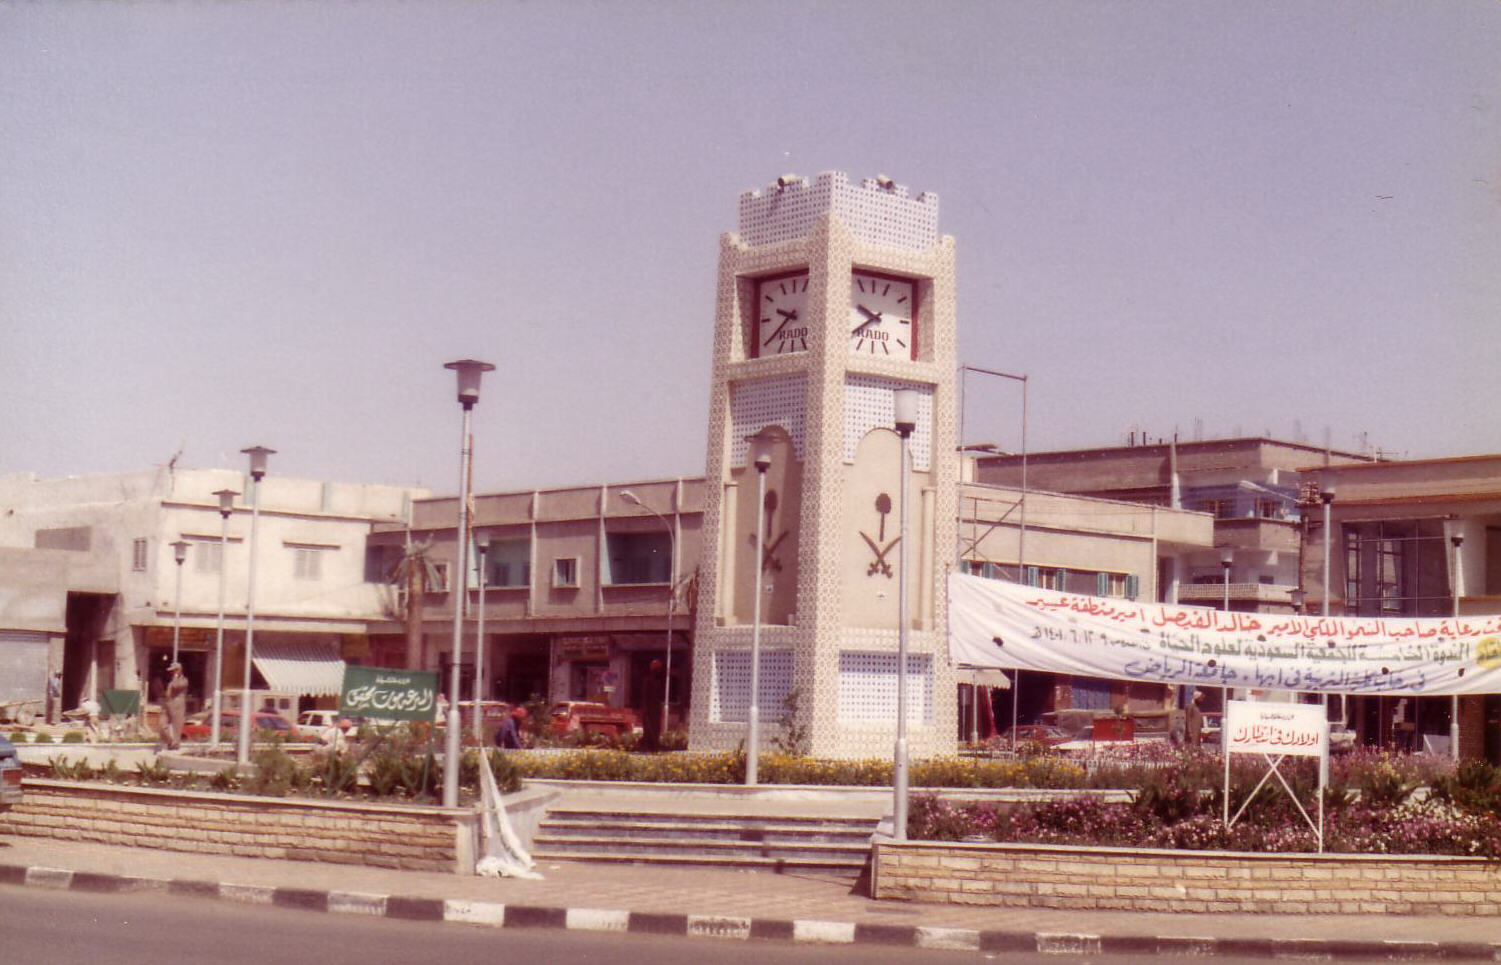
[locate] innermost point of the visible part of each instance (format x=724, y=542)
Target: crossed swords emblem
x=883, y=506
x=769, y=561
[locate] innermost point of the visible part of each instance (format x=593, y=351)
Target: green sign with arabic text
x=389, y=694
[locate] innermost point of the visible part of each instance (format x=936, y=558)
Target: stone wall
x=1044, y=876
x=406, y=837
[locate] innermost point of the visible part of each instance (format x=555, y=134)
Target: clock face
x=882, y=309
x=781, y=315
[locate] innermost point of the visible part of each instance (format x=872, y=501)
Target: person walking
x=174, y=707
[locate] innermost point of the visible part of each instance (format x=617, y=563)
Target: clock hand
x=778, y=330
x=870, y=319
x=789, y=316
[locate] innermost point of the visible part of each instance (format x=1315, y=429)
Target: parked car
x=10, y=775
x=573, y=716
x=200, y=726
x=312, y=723
x=1044, y=734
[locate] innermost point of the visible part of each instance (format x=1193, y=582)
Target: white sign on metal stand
x=1276, y=731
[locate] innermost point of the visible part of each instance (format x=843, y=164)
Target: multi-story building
x=89, y=580
x=1250, y=486
x=1413, y=538
x=583, y=587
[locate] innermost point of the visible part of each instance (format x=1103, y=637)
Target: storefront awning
x=309, y=668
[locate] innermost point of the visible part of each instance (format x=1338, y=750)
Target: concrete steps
x=714, y=839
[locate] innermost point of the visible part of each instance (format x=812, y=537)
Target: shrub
x=276, y=772
x=19, y=736
x=66, y=770
x=1474, y=786
x=74, y=737
x=152, y=772
x=41, y=737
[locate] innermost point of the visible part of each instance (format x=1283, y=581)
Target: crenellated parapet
x=878, y=211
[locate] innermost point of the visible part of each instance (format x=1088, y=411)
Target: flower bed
x=780, y=768
x=1375, y=803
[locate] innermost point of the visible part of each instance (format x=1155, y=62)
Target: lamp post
x=1458, y=541
x=904, y=405
x=1227, y=557
x=226, y=506
x=180, y=554
x=468, y=373
x=482, y=545
x=1326, y=495
x=672, y=596
x=761, y=459
x=257, y=456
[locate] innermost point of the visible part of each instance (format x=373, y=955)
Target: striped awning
x=300, y=667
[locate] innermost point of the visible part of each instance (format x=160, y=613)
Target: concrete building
x=577, y=588
x=1250, y=486
x=88, y=580
x=1078, y=544
x=1412, y=538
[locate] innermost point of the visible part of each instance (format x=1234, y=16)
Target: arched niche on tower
x=871, y=533
x=775, y=574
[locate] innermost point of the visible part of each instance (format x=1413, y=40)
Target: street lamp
x=1326, y=495
x=1298, y=599
x=468, y=372
x=761, y=459
x=226, y=506
x=1227, y=557
x=904, y=404
x=257, y=456
x=482, y=545
x=1458, y=541
x=672, y=595
x=180, y=554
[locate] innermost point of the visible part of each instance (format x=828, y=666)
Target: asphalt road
x=65, y=927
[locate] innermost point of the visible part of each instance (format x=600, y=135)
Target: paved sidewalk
x=802, y=906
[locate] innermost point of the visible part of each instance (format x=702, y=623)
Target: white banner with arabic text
x=997, y=624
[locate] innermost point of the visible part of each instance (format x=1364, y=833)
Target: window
x=75, y=538
x=1396, y=568
x=138, y=556
x=508, y=563
x=636, y=558
x=437, y=578
x=307, y=563
x=565, y=571
x=381, y=562
x=208, y=556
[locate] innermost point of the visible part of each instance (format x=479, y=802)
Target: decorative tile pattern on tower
x=841, y=667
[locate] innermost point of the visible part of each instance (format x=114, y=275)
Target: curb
x=498, y=915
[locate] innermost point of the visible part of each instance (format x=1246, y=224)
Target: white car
x=312, y=723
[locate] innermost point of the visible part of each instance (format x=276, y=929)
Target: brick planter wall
x=1048, y=876
x=405, y=837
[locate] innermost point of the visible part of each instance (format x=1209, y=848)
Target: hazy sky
x=225, y=224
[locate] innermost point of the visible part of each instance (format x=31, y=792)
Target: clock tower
x=831, y=296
